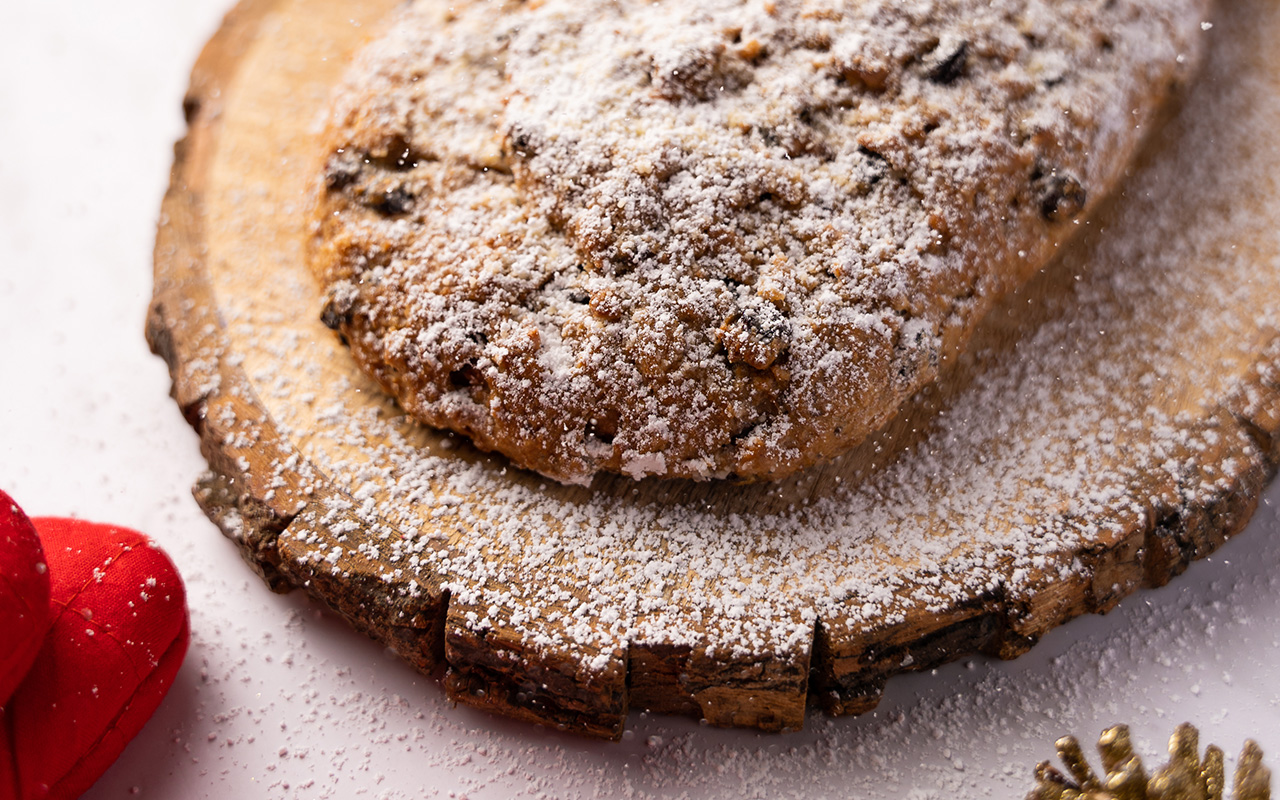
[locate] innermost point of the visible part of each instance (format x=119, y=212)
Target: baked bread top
x=716, y=239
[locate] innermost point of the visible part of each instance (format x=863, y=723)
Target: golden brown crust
x=728, y=241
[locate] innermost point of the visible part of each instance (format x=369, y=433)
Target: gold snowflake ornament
x=1185, y=777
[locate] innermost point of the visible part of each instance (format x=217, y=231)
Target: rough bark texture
x=296, y=527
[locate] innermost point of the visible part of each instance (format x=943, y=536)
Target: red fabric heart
x=119, y=634
x=24, y=596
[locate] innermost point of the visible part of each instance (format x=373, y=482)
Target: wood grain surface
x=1112, y=422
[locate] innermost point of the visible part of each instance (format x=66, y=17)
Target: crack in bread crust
x=723, y=240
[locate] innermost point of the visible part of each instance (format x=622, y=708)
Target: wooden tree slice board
x=1113, y=421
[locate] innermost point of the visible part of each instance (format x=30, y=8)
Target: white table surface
x=279, y=699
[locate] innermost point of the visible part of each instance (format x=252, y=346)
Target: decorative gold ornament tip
x=1186, y=777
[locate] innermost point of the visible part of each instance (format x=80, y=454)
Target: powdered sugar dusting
x=728, y=239
x=1098, y=414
